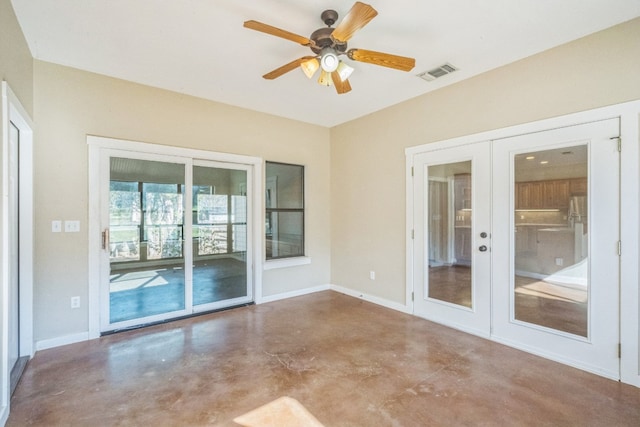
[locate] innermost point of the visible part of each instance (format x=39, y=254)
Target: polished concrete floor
x=346, y=361
x=536, y=301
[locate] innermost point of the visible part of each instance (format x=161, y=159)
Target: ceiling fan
x=329, y=43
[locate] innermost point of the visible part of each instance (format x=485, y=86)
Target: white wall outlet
x=75, y=302
x=372, y=275
x=71, y=226
x=559, y=261
x=56, y=226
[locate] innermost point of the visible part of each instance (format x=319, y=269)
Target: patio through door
x=174, y=237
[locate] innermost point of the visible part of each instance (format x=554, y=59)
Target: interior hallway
x=349, y=362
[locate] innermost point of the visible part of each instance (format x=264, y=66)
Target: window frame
x=286, y=260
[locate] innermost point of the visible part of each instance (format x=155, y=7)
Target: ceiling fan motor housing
x=322, y=36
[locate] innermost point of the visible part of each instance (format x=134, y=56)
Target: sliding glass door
x=175, y=237
x=219, y=236
x=146, y=223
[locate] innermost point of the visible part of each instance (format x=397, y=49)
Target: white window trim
x=273, y=264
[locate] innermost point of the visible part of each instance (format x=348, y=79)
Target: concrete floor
x=348, y=362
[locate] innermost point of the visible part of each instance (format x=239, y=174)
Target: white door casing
x=14, y=114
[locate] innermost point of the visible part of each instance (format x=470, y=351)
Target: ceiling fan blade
x=402, y=63
x=286, y=68
x=268, y=29
x=341, y=86
x=359, y=16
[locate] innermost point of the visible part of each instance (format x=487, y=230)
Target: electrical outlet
x=372, y=275
x=75, y=302
x=559, y=261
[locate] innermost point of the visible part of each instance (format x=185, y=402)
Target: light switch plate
x=71, y=226
x=56, y=226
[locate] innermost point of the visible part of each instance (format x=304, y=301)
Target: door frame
x=629, y=115
x=13, y=111
x=97, y=144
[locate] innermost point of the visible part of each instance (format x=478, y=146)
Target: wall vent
x=438, y=72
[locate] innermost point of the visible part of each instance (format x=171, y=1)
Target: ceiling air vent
x=440, y=71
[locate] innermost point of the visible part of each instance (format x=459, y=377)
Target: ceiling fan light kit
x=329, y=59
x=310, y=67
x=325, y=79
x=329, y=43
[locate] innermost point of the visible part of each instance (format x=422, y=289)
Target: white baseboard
x=292, y=294
x=371, y=298
x=60, y=341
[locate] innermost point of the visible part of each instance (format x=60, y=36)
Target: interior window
x=284, y=202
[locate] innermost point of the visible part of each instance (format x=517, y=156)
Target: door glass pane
x=146, y=211
x=219, y=234
x=449, y=233
x=551, y=239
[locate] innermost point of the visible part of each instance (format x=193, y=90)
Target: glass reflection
x=551, y=239
x=449, y=233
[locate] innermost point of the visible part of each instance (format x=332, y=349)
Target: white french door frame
x=629, y=115
x=100, y=145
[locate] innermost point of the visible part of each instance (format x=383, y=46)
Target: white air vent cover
x=440, y=71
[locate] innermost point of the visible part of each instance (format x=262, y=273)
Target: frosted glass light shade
x=344, y=70
x=325, y=78
x=310, y=67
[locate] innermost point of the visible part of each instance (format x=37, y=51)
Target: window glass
x=284, y=216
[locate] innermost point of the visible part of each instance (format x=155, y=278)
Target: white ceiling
x=200, y=48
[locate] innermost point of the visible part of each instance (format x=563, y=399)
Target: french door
x=452, y=237
x=556, y=233
x=175, y=237
x=517, y=240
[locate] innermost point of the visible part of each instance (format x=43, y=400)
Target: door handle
x=482, y=248
x=105, y=239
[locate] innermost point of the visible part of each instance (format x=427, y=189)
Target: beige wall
x=69, y=104
x=16, y=64
x=367, y=155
